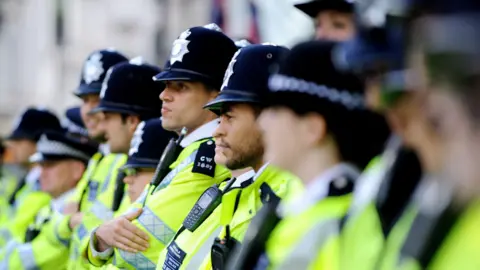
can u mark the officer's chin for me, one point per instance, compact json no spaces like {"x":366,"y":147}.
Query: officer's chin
{"x":220,"y":158}
{"x":170,"y":125}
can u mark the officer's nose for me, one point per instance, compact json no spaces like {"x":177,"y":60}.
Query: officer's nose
{"x":165,"y":95}
{"x":220,"y":130}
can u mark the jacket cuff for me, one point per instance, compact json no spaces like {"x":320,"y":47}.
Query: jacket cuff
{"x":96,"y":257}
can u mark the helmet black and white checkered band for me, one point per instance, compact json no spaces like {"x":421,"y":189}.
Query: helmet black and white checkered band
{"x":282,"y":83}
{"x":50,"y":147}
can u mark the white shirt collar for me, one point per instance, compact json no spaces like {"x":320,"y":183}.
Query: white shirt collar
{"x":260,"y":171}
{"x":243,"y":178}
{"x":33,"y":175}
{"x":319,"y":187}
{"x":59,"y":203}
{"x":104,"y":148}
{"x":204,"y":131}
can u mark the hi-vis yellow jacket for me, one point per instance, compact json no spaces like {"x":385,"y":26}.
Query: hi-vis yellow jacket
{"x":191,"y":250}
{"x":165,"y":209}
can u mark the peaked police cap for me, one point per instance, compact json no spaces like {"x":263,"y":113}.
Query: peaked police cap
{"x":199,"y":54}
{"x":95,"y":68}
{"x":308,"y":81}
{"x":57,"y":145}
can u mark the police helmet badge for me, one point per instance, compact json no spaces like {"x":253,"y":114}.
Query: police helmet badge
{"x":229,"y":71}
{"x":180,"y":47}
{"x":242,"y":43}
{"x":137,"y":139}
{"x":137,"y":61}
{"x":93,"y":68}
{"x":213,"y":26}
{"x":105,"y":83}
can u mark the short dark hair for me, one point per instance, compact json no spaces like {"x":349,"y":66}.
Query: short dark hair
{"x":257,"y":108}
{"x":360,"y":135}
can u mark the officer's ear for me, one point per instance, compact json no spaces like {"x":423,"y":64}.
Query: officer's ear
{"x":211,"y":91}
{"x":78,"y":168}
{"x":314,"y":127}
{"x":132,"y":121}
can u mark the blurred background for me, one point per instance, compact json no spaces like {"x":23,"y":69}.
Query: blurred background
{"x":43,"y":43}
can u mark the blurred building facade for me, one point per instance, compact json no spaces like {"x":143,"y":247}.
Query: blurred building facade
{"x":44,"y":42}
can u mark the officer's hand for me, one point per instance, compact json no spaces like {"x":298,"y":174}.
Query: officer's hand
{"x":75,"y":220}
{"x":70,"y":208}
{"x":122,"y":234}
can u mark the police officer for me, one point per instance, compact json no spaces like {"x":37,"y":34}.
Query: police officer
{"x":27,"y":198}
{"x":333,"y":19}
{"x":444,"y":233}
{"x":198,"y":62}
{"x":386,"y":199}
{"x":128,"y":97}
{"x":63,"y":160}
{"x":239,"y":146}
{"x":306,"y":119}
{"x":92,"y":76}
{"x":101,"y":171}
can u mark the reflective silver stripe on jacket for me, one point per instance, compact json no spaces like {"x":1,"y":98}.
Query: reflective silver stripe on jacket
{"x":5,"y":234}
{"x":110,"y":172}
{"x":81,"y":231}
{"x":137,"y":260}
{"x":101,"y":211}
{"x":9,"y":249}
{"x":180,"y":167}
{"x":199,"y":256}
{"x":306,"y":250}
{"x":156,"y":226}
{"x":26,"y":255}
{"x":64,"y":241}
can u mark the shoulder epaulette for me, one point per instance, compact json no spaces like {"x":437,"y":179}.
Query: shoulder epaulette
{"x":205,"y":159}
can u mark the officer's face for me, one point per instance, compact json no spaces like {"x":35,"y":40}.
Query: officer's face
{"x":91,"y":121}
{"x":407,"y":119}
{"x":372,"y":93}
{"x":58,"y":177}
{"x":118,"y":131}
{"x":137,"y":182}
{"x":21,"y":150}
{"x":183,"y":105}
{"x":238,"y":138}
{"x":459,"y":136}
{"x":284,"y":137}
{"x":334,"y":26}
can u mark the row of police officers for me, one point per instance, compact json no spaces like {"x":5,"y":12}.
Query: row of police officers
{"x":354,"y":151}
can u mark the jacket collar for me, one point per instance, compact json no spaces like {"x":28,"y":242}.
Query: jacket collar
{"x":202,"y":132}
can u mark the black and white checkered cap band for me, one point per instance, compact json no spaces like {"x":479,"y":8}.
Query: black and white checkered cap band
{"x":282,"y":83}
{"x":49,"y":147}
